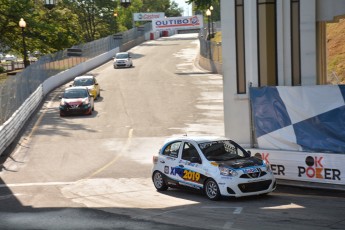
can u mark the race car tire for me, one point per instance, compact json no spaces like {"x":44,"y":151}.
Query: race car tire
{"x":211,"y":189}
{"x":159,"y":181}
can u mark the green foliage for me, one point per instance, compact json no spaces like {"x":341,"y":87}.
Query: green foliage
{"x":69,"y":23}
{"x":2,"y":69}
{"x":202,"y":5}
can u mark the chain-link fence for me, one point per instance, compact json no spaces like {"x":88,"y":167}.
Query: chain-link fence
{"x":17,"y":88}
{"x":209,"y":49}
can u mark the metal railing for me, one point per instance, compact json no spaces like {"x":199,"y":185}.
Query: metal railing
{"x":17,"y":88}
{"x":209,"y":49}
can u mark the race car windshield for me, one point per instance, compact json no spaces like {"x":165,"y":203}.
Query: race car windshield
{"x":75,"y":94}
{"x":83,"y":82}
{"x":221,"y":151}
{"x":121,"y":56}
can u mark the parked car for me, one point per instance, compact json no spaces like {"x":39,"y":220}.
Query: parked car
{"x":76,"y":100}
{"x":10,"y":57}
{"x":90,"y":82}
{"x":217,"y":166}
{"x":122,"y":59}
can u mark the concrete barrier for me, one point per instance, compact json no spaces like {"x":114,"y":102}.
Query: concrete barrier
{"x":11,"y":128}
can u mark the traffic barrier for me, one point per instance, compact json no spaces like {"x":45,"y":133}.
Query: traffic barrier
{"x":10,"y":129}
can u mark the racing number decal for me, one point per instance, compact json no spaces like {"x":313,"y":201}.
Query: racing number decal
{"x":190,"y":175}
{"x":185,"y":174}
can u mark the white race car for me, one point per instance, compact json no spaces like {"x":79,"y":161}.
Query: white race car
{"x":122,"y":59}
{"x":217,"y":166}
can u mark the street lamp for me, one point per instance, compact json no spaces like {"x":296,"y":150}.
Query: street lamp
{"x":208,"y":14}
{"x":22,"y":24}
{"x":50,"y":4}
{"x":211,"y":8}
{"x":125,"y":3}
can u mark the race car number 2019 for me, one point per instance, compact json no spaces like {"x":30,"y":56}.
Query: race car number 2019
{"x":190,"y":175}
{"x":185,"y":174}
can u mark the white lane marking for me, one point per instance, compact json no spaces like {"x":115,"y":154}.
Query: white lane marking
{"x":280,"y":207}
{"x":35,"y":184}
{"x":237,"y":210}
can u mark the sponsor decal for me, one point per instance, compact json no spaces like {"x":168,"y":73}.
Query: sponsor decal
{"x":191,"y":22}
{"x":185,"y":174}
{"x":314,"y":169}
{"x":166,"y":169}
{"x":214,"y":164}
{"x":148,"y":16}
{"x":250,"y":170}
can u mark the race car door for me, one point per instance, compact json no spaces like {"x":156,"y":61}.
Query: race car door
{"x":171,"y":169}
{"x":190,"y":164}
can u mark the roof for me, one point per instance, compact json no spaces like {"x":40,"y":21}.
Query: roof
{"x":76,"y":87}
{"x":198,"y":139}
{"x":83,"y":77}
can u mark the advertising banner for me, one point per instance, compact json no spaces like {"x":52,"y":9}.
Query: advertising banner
{"x":305,"y":166}
{"x":300,"y":118}
{"x":180,"y":23}
{"x":148,"y":16}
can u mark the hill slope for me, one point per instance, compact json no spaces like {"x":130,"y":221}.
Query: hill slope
{"x":336,"y":51}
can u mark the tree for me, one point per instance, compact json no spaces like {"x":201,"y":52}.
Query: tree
{"x":174,"y":10}
{"x":203,"y":5}
{"x":170,"y":8}
{"x":95,"y":16}
{"x":47,"y":30}
{"x":200,"y":4}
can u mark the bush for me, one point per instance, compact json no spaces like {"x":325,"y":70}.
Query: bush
{"x":2,"y":69}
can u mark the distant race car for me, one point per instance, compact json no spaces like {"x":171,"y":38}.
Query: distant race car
{"x":76,"y":100}
{"x":122,"y":59}
{"x":90,"y":82}
{"x":217,"y":166}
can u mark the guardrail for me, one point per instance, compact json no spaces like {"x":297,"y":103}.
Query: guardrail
{"x":12,"y":126}
{"x":10,"y":129}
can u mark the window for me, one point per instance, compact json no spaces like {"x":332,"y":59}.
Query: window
{"x":190,"y":153}
{"x":172,"y":149}
{"x":240,"y":48}
{"x":267,"y":42}
{"x":295,"y":43}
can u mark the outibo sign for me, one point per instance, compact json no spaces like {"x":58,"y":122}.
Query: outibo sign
{"x":148,"y":16}
{"x":180,"y":23}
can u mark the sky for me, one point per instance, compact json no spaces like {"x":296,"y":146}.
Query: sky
{"x":187,"y":9}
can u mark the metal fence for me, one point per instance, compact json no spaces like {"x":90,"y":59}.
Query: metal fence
{"x":209,"y":49}
{"x":17,"y":88}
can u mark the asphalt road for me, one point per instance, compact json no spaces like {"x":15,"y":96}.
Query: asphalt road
{"x":93,"y":172}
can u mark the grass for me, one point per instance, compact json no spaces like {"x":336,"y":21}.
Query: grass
{"x":336,"y":51}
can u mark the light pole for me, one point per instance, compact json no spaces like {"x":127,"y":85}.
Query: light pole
{"x":211,"y":8}
{"x":22,"y":25}
{"x":125,"y":3}
{"x":208,"y":14}
{"x":50,"y":4}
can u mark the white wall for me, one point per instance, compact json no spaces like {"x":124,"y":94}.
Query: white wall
{"x":308,"y":42}
{"x":236,"y":111}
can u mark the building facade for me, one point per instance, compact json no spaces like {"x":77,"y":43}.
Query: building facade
{"x":271,"y":43}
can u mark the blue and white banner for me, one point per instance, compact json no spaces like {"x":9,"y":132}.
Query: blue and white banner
{"x":300,"y":118}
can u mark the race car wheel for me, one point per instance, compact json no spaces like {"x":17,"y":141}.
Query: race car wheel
{"x":211,"y":189}
{"x":159,"y":182}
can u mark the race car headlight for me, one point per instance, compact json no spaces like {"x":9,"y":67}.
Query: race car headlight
{"x":227,"y":171}
{"x":86,"y":103}
{"x":62,"y":103}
